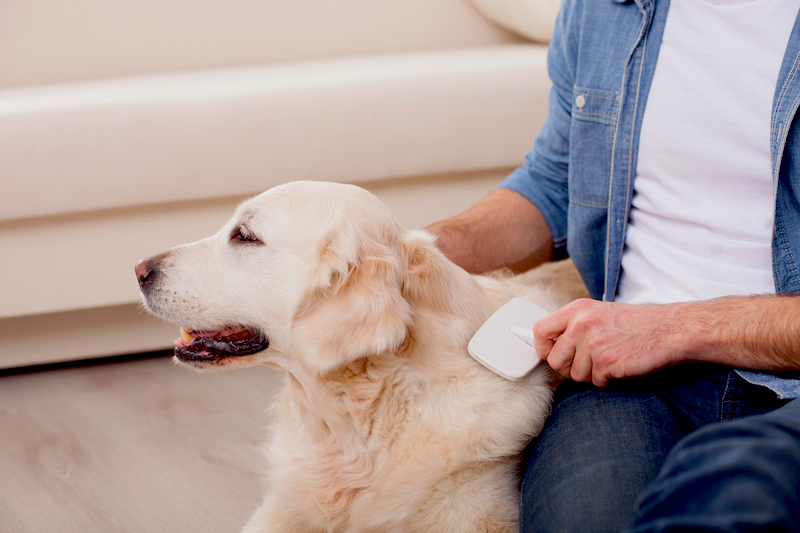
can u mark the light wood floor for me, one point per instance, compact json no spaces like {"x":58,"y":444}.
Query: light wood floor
{"x":136,"y":446}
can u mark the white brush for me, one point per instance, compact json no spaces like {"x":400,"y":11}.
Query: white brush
{"x":504,"y":343}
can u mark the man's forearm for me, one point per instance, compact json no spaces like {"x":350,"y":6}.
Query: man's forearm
{"x":502,"y":230}
{"x":753,"y":332}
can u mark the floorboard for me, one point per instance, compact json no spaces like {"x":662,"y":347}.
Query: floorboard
{"x":135,"y":446}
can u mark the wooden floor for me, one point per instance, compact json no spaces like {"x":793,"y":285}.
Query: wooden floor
{"x":136,"y":446}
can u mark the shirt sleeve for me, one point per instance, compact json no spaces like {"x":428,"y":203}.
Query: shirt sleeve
{"x":543,"y":177}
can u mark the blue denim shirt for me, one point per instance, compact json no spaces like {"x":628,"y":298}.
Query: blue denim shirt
{"x":580,"y":172}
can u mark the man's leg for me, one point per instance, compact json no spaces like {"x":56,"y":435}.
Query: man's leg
{"x":598,"y":451}
{"x":738,"y":476}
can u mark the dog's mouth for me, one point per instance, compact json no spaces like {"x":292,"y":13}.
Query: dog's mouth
{"x":211,"y":345}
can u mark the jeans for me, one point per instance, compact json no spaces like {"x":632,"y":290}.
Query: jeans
{"x":693,"y":447}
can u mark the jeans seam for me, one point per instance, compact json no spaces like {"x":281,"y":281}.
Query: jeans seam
{"x":726,"y":401}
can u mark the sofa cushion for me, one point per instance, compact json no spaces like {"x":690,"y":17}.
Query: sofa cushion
{"x":118,"y":143}
{"x":53,"y":41}
{"x":533,"y":19}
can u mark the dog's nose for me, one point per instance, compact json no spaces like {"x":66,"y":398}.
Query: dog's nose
{"x":144,"y":271}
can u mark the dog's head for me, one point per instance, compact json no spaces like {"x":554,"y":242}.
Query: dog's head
{"x":308,"y":273}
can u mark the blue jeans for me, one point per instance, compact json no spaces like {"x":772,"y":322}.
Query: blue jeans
{"x":693,"y":447}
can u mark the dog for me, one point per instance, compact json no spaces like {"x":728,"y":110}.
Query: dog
{"x":384,"y":423}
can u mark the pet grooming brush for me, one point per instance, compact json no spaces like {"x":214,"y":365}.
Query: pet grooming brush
{"x":504,"y":343}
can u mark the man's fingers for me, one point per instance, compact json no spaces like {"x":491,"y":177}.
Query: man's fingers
{"x":581,"y":369}
{"x":561,"y":356}
{"x":546,"y":330}
{"x":543,"y":347}
{"x":600,"y":380}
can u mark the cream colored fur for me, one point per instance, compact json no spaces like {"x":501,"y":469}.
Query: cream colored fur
{"x":385,"y":423}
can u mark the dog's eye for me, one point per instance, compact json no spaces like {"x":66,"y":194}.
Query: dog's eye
{"x":242,"y":234}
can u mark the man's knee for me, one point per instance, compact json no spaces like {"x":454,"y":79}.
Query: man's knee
{"x":730,"y":476}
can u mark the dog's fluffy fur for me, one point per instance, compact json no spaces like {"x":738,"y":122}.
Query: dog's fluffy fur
{"x":385,"y":423}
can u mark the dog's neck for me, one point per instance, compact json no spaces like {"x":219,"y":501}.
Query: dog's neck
{"x":344,"y":405}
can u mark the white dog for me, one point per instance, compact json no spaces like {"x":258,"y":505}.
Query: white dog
{"x":385,"y":423}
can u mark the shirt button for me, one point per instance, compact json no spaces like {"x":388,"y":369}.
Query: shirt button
{"x":580,"y":101}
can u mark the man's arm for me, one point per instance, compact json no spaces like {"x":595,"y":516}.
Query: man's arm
{"x":503,"y":230}
{"x":600,"y":341}
{"x":506,"y":229}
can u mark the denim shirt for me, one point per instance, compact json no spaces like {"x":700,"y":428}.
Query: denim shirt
{"x":580,"y":172}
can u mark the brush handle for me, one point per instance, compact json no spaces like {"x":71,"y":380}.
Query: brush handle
{"x":525,"y":334}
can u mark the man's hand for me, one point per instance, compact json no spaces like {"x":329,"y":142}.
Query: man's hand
{"x":600,"y":341}
{"x":596,"y":341}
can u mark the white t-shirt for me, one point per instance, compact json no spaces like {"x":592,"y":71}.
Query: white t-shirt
{"x":701,"y":220}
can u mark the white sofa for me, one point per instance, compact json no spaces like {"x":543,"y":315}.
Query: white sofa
{"x":130,"y":127}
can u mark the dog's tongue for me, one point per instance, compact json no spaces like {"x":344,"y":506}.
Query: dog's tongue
{"x":209,"y":344}
{"x":188,"y":336}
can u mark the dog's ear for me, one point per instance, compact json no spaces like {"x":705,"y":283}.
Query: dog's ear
{"x":354,"y":307}
{"x":426,"y":281}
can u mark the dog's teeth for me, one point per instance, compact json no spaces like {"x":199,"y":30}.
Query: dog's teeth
{"x":185,"y":336}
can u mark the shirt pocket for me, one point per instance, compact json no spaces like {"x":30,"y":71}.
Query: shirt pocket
{"x":595,"y":114}
{"x":593,"y":105}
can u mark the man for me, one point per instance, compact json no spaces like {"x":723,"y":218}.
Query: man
{"x":669,"y":169}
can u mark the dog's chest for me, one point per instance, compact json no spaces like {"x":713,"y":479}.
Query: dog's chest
{"x":338,"y":479}
{"x":354,"y":481}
